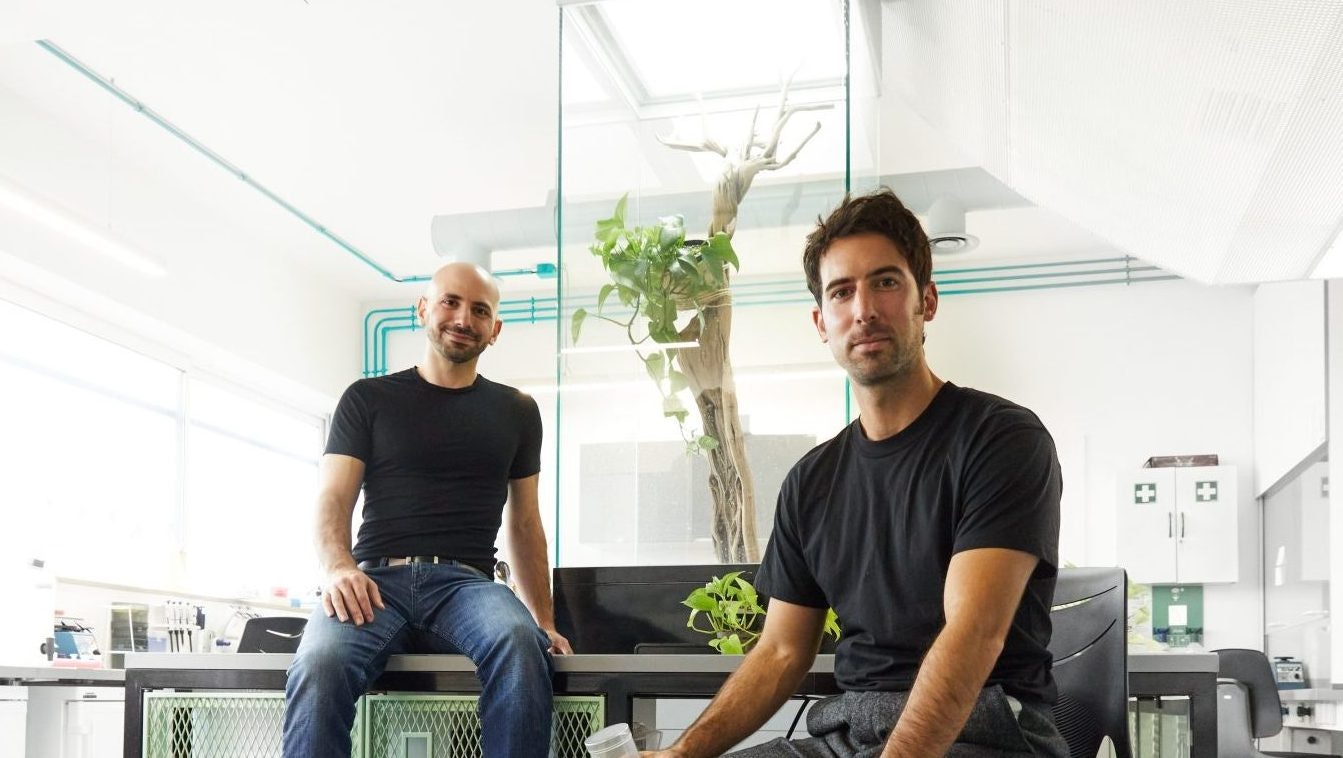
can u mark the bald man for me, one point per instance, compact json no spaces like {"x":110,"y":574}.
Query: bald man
{"x":445,"y":457}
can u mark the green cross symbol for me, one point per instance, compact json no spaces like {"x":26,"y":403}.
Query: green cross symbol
{"x":1205,"y":492}
{"x":1144,"y":493}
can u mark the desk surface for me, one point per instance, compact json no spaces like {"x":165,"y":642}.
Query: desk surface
{"x":1139,"y":662}
{"x":604,"y":664}
{"x":62,"y":675}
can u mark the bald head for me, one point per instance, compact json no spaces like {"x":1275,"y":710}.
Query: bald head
{"x":461,"y":273}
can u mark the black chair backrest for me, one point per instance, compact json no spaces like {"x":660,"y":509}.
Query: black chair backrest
{"x":1252,"y":669}
{"x":1090,"y":649}
{"x":272,"y":634}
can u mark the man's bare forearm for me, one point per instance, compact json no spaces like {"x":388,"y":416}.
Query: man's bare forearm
{"x":950,"y":679}
{"x":531,"y":570}
{"x":333,"y":534}
{"x":755,"y":691}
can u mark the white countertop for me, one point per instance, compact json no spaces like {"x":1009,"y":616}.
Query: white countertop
{"x":60,"y":674}
{"x":1159,"y":661}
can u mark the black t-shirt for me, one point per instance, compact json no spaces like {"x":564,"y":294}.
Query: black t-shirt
{"x":437,"y":462}
{"x":869,"y":529}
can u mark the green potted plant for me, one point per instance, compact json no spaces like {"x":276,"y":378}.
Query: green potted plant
{"x":730,"y":607}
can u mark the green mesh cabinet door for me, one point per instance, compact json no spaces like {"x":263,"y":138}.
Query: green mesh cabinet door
{"x":448,"y":726}
{"x":221,"y":725}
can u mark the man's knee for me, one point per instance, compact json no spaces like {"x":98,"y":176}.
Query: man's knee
{"x":328,"y":668}
{"x":523,"y":640}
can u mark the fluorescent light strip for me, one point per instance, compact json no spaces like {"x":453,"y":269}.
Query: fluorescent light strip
{"x":65,"y":223}
{"x":627,"y":348}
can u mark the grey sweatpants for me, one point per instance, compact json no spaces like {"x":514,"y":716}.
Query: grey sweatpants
{"x":857,"y":724}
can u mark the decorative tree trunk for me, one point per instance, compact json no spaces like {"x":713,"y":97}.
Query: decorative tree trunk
{"x":708,"y":371}
{"x":708,"y":367}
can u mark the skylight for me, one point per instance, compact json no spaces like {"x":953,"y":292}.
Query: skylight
{"x":662,"y":53}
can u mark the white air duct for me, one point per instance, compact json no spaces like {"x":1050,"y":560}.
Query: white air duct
{"x":946,"y":227}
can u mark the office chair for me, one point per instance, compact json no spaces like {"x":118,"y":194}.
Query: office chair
{"x":1090,"y":649}
{"x":1248,"y":705}
{"x":272,"y":634}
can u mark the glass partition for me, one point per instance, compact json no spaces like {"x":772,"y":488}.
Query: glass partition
{"x":1296,"y":572}
{"x":699,"y":142}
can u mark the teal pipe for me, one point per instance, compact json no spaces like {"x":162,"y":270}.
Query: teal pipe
{"x":368,"y":337}
{"x":217,"y":159}
{"x":379,"y":334}
{"x":384,"y":331}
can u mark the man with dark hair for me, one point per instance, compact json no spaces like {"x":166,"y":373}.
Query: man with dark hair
{"x":445,"y":457}
{"x":930,"y":524}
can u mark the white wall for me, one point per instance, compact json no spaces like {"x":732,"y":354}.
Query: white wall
{"x":231,"y":302}
{"x":1118,"y":374}
{"x":1289,"y":377}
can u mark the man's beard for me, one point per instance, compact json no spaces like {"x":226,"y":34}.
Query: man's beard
{"x":874,"y":370}
{"x":455,"y":353}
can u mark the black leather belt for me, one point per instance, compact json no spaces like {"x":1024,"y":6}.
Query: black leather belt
{"x":407,"y":559}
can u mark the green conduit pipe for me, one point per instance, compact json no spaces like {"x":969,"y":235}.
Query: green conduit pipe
{"x":217,"y":159}
{"x":539,"y":309}
{"x":379,"y":348}
{"x":382,"y":348}
{"x":379,"y":366}
{"x":407,"y":311}
{"x":536,"y":310}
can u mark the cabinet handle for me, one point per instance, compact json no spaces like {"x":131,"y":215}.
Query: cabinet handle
{"x":1181,"y":526}
{"x":1170,"y":525}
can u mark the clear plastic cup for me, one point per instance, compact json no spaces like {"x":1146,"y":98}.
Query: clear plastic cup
{"x":645,"y":738}
{"x":614,"y":741}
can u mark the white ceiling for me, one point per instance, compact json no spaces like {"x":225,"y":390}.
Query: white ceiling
{"x":374,"y":118}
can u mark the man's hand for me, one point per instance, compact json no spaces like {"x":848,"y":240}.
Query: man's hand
{"x":350,"y":595}
{"x":558,"y":644}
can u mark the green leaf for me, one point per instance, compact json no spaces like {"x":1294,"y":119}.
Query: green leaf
{"x":671,"y":406}
{"x":707,"y":442}
{"x":699,"y":600}
{"x":602,"y":294}
{"x":619,"y":216}
{"x":747,"y":592}
{"x":654,"y":365}
{"x":663,"y":332}
{"x":721,"y":244}
{"x":832,"y":623}
{"x":731,"y":645}
{"x":676,"y":381}
{"x":579,"y":315}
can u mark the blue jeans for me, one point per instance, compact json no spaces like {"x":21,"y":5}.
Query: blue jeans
{"x":431,"y":608}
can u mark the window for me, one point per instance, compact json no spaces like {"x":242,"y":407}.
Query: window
{"x":114,"y":474}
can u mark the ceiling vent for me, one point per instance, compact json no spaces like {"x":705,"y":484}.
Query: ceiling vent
{"x":946,"y":227}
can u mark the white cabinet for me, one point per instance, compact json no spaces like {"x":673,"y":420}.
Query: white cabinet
{"x":1178,"y":525}
{"x":13,"y":719}
{"x":75,"y":722}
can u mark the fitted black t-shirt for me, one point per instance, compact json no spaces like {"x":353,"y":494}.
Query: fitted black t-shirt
{"x":869,"y":529}
{"x":436,"y":462}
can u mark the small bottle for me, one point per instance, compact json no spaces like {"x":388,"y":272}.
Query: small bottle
{"x":614,"y":741}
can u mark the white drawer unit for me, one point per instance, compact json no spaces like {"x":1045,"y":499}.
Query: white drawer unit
{"x":13,"y":719}
{"x":75,"y":722}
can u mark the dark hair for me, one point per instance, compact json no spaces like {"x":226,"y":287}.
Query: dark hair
{"x":878,"y":212}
